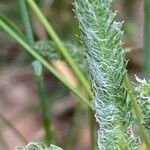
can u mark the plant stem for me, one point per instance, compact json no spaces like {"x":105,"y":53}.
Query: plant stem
{"x":44,"y":101}
{"x":26,"y":21}
{"x":10,"y":125}
{"x":39,"y":77}
{"x":136,"y":110}
{"x":43,"y":61}
{"x":60,"y":45}
{"x":70,"y":61}
{"x":147,"y":39}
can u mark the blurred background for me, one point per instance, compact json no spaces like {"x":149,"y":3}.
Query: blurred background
{"x":20,"y":111}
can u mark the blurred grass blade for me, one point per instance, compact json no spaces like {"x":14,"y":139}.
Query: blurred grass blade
{"x":12,"y":26}
{"x":44,"y":101}
{"x":11,"y":126}
{"x":60,"y":45}
{"x":26,"y":21}
{"x":147,"y":39}
{"x":37,"y":73}
{"x":31,"y":51}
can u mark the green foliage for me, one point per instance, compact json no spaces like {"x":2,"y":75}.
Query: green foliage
{"x":143,"y":95}
{"x":106,"y":62}
{"x":49,"y":50}
{"x":39,"y":146}
{"x":102,"y":48}
{"x":38,"y":71}
{"x":60,"y":46}
{"x":11,"y":25}
{"x":6,"y":27}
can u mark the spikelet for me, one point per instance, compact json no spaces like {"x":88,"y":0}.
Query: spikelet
{"x":142,"y":90}
{"x":102,"y":42}
{"x":39,"y":146}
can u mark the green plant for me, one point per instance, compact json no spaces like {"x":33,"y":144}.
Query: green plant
{"x":48,"y":49}
{"x":27,"y":43}
{"x":119,"y":106}
{"x":113,"y":91}
{"x":10,"y":28}
{"x":39,"y":146}
{"x":49,"y":137}
{"x":142,"y":90}
{"x":60,"y":45}
{"x":11,"y":126}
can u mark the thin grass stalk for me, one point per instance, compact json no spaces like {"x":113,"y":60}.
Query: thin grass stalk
{"x":26,"y":21}
{"x":147,"y":39}
{"x":44,"y":101}
{"x":60,"y":45}
{"x":39,"y":77}
{"x":11,"y":126}
{"x":51,"y":69}
{"x":70,"y":61}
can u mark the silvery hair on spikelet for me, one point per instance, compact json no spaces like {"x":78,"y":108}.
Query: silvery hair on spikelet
{"x":102,"y":42}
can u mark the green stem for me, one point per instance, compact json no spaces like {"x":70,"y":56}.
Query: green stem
{"x":137,"y":111}
{"x":44,"y":101}
{"x":70,"y":61}
{"x":147,"y":39}
{"x":60,"y":45}
{"x":40,"y":81}
{"x":26,"y":21}
{"x":10,"y":125}
{"x":43,"y":61}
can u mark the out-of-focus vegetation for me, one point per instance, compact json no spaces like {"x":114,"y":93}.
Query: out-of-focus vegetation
{"x":146,"y":39}
{"x":66,"y":120}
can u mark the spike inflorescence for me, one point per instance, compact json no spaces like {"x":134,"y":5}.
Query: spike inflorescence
{"x":102,"y":42}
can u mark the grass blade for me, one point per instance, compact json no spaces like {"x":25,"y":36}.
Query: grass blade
{"x":31,"y":51}
{"x":26,"y":21}
{"x":60,"y":45}
{"x":44,"y":101}
{"x":10,"y":125}
{"x":12,"y":26}
{"x":37,"y":73}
